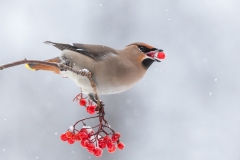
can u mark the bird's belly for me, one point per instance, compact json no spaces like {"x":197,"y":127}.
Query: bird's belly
{"x":81,"y":81}
{"x":103,"y":87}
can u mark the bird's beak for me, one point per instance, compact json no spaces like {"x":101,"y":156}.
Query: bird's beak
{"x":157,"y":55}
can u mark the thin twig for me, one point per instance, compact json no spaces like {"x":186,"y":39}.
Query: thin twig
{"x":84,"y":120}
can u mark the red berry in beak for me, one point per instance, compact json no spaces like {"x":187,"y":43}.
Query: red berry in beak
{"x":161,"y":55}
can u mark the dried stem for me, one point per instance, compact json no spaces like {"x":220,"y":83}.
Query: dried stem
{"x":102,"y":124}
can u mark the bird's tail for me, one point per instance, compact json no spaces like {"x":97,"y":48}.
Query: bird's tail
{"x":36,"y":66}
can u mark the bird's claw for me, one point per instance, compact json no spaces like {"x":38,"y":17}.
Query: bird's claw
{"x":98,"y":108}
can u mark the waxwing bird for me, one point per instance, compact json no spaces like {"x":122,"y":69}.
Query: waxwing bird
{"x":113,"y":70}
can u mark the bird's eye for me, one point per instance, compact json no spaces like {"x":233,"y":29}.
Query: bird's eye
{"x":143,"y":49}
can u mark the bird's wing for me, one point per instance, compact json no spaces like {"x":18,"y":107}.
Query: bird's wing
{"x":96,"y":52}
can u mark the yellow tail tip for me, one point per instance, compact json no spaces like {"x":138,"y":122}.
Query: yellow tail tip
{"x":28,"y":67}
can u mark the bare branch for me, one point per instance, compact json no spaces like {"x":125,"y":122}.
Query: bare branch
{"x":61,"y":67}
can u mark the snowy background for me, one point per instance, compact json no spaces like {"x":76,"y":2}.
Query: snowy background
{"x":185,"y":108}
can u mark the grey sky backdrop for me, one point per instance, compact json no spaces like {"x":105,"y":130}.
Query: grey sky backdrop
{"x":185,"y":108}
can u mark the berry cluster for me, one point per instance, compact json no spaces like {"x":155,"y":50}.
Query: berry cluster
{"x":94,"y":142}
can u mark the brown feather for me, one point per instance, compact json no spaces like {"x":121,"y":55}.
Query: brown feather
{"x":45,"y":67}
{"x":142,"y":44}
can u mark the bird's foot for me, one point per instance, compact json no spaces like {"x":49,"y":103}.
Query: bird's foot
{"x":92,"y":97}
{"x":99,"y":107}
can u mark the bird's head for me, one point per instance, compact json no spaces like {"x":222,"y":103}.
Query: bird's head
{"x":151,"y":54}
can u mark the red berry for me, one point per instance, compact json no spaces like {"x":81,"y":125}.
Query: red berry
{"x":69,"y":134}
{"x":83,"y":135}
{"x":107,"y":139}
{"x":84,"y":142}
{"x":82,"y":102}
{"x":84,"y":130}
{"x":73,"y":138}
{"x":110,"y":145}
{"x":115,"y":137}
{"x":112,"y":149}
{"x":63,"y":137}
{"x":76,"y":137}
{"x":116,"y":134}
{"x":90,"y":147}
{"x":97,"y":152}
{"x":102,"y":144}
{"x":91,"y":109}
{"x":161,"y":55}
{"x":120,"y":145}
{"x":70,"y":141}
